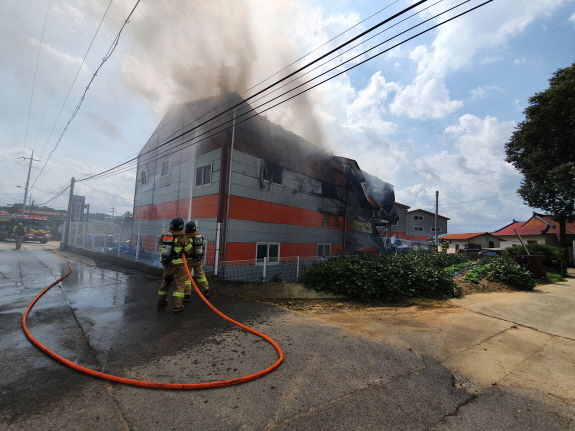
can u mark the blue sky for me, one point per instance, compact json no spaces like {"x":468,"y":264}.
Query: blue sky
{"x":431,"y":114}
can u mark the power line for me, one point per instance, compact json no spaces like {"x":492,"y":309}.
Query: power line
{"x":106,"y":193}
{"x":280,"y":80}
{"x":113,"y":171}
{"x":106,"y":57}
{"x":35,"y":73}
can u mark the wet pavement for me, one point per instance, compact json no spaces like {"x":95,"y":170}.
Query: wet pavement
{"x":331,"y":378}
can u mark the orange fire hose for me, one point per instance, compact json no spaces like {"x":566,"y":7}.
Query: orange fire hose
{"x":142,"y":383}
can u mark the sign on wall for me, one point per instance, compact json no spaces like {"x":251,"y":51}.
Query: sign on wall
{"x":78,"y":208}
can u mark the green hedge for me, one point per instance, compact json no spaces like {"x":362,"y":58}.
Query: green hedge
{"x":502,"y":269}
{"x":391,"y":276}
{"x":554,"y":256}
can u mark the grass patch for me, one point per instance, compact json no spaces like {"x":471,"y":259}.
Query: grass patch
{"x":554,"y":278}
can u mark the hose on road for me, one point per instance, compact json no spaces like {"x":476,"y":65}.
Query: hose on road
{"x":145,"y":384}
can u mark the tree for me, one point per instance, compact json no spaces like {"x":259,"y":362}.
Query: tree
{"x":542,"y":148}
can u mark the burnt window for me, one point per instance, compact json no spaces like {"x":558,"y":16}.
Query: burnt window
{"x":328,"y":190}
{"x":273,"y":172}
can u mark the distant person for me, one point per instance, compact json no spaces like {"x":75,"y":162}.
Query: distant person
{"x":19,"y":233}
{"x":174,"y":242}
{"x":196,"y":262}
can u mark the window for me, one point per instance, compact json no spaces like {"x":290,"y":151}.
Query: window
{"x":324,"y":250}
{"x":273,"y":172}
{"x":531,"y":241}
{"x":418,"y":228}
{"x":144,"y":177}
{"x":417,"y":217}
{"x":204,"y":175}
{"x":166,"y":168}
{"x":270,"y":250}
{"x":433,"y":229}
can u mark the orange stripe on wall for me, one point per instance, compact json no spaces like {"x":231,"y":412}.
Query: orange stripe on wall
{"x":255,"y":210}
{"x":202,"y":207}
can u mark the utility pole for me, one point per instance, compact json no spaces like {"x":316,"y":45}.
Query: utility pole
{"x":113,"y":208}
{"x":64,"y":244}
{"x":31,"y":158}
{"x":436,"y":214}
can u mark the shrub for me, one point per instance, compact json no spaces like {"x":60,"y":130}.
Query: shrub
{"x":553,"y":255}
{"x":502,"y":269}
{"x":418,"y":274}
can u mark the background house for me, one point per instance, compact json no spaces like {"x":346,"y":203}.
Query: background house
{"x":540,"y":228}
{"x":420,"y":225}
{"x":399,"y":228}
{"x":484,"y":239}
{"x":275,"y":194}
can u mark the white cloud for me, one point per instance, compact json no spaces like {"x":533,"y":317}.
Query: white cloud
{"x":483,"y":91}
{"x":365,"y":112}
{"x":572,"y":18}
{"x":456,"y":47}
{"x":521,"y":60}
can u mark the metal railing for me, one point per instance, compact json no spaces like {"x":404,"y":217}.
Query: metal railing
{"x":139,"y":241}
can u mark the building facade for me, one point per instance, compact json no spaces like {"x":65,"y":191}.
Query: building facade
{"x":275,"y":194}
{"x":420,"y":225}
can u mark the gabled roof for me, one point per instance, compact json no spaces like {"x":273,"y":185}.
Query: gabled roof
{"x":428,"y":212}
{"x":402,"y":205}
{"x":553,"y":225}
{"x":538,"y":224}
{"x":468,"y":236}
{"x":523,"y":230}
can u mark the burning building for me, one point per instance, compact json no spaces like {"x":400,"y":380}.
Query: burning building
{"x":274,"y":193}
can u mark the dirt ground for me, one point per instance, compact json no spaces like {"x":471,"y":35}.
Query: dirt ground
{"x":331,"y":306}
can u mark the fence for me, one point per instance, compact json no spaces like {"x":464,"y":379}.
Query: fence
{"x":139,"y":241}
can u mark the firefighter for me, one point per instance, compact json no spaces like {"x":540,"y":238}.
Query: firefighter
{"x":195,"y":261}
{"x":19,"y":233}
{"x":174,"y":242}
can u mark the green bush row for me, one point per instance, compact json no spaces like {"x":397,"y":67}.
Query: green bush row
{"x":391,"y":276}
{"x":502,"y":269}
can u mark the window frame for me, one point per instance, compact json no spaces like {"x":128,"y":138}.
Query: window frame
{"x":268,"y":244}
{"x":323,"y":245}
{"x":144,"y":177}
{"x":418,"y":228}
{"x":203,"y":175}
{"x":166,"y":168}
{"x":418,"y":217}
{"x":277,"y":169}
{"x":438,"y":229}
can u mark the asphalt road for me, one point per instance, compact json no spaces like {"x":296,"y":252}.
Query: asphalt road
{"x":332,"y":378}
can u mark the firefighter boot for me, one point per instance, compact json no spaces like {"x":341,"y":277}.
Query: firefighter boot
{"x":162,"y":300}
{"x":177,"y":301}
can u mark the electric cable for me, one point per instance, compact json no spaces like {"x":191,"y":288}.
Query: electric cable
{"x":141,"y":383}
{"x":103,"y":173}
{"x":54,"y":86}
{"x":107,"y":193}
{"x":293,"y":73}
{"x":108,"y":54}
{"x":35,"y":73}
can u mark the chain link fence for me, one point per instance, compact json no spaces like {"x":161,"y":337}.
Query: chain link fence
{"x":139,"y":241}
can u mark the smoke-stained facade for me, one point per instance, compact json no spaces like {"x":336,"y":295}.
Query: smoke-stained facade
{"x":275,"y":194}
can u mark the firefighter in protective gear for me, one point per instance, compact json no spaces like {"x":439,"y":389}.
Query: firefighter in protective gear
{"x":174,"y":265}
{"x":195,"y":261}
{"x":19,"y":233}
